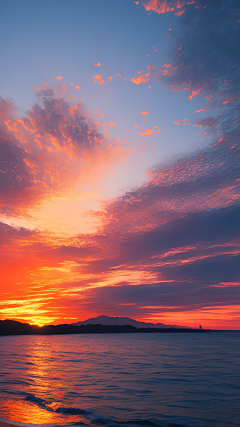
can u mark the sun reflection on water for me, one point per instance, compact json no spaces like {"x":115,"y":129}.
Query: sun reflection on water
{"x":21,"y":411}
{"x":44,"y":392}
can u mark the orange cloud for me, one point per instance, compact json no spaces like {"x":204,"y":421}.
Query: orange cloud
{"x":99,"y":78}
{"x":143,"y":78}
{"x":225,"y":284}
{"x":161,"y":6}
{"x":98,"y":64}
{"x":221,"y":139}
{"x":63,"y":88}
{"x":194,"y":93}
{"x":149,"y":131}
{"x":96,"y":123}
{"x":144,"y":113}
{"x":180,"y":4}
{"x":154,"y":5}
{"x":227,"y":101}
{"x":180,"y":13}
{"x":58,"y":77}
{"x":198,"y":111}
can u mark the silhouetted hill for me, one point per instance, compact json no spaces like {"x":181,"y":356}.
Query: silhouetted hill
{"x":107,"y":320}
{"x":12,"y":327}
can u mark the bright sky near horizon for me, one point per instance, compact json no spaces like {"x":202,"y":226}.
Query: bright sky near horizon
{"x":119,"y":128}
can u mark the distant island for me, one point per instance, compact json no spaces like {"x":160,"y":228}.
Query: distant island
{"x":12,"y":327}
{"x":107,"y":320}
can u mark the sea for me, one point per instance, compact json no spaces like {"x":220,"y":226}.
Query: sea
{"x":100,"y":380}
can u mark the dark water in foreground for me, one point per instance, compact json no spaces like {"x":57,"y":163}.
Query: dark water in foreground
{"x":185,"y":379}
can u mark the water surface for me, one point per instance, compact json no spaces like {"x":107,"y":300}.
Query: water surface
{"x":102,"y":379}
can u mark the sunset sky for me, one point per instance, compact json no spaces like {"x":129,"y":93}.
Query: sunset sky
{"x":120,"y":161}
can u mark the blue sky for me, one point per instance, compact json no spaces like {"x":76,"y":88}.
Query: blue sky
{"x":61,"y":38}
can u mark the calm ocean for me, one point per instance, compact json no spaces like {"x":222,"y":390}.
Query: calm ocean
{"x":148,"y":379}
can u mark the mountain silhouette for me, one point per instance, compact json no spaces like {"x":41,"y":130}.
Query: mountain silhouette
{"x":13,"y":327}
{"x":123,"y":321}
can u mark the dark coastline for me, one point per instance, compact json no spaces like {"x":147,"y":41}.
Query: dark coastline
{"x":12,"y":327}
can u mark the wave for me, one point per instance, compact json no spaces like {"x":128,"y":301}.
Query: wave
{"x":92,"y":420}
{"x":71,"y":411}
{"x":102,"y":421}
{"x":30,"y":397}
{"x":4,"y":422}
